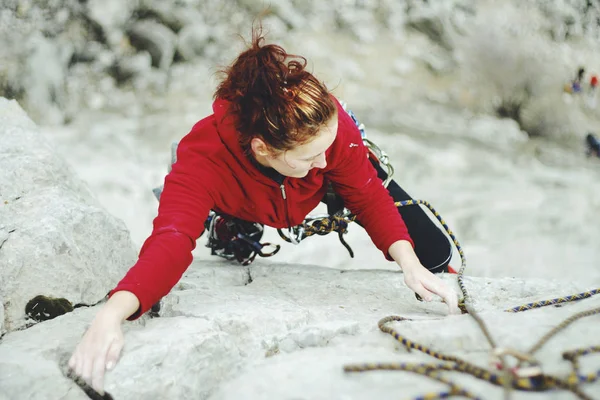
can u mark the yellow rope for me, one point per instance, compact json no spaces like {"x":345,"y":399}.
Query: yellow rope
{"x":536,"y":381}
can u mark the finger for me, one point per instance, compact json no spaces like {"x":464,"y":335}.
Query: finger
{"x":79,"y":364}
{"x":452,"y":302}
{"x":439,"y":287}
{"x":454,"y":310}
{"x":73,"y":361}
{"x":448,"y":295}
{"x":435,"y":285}
{"x":98,"y":374}
{"x":112,"y":357}
{"x":419,"y":289}
{"x":86,"y":372}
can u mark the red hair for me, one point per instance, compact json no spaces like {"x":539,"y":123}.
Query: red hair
{"x":273,"y":97}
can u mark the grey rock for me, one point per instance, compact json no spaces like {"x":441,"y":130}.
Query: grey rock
{"x":433,"y":27}
{"x":175,"y":17}
{"x":56,"y":240}
{"x":439,"y":21}
{"x":128,"y":67}
{"x":571,"y":19}
{"x":112,"y":17}
{"x":33,"y":68}
{"x":289,"y":333}
{"x":360,"y":22}
{"x":438,"y":62}
{"x":192,"y":41}
{"x":45,"y":87}
{"x":155,"y":38}
{"x":2,"y":331}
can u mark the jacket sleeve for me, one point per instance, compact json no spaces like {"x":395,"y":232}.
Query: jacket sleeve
{"x":184,"y":206}
{"x":355,"y":179}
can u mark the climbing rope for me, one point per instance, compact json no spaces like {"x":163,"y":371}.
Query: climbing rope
{"x":558,"y":300}
{"x":526,"y":376}
{"x":525,"y":379}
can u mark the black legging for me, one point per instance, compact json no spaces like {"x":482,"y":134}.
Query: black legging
{"x":432,"y":246}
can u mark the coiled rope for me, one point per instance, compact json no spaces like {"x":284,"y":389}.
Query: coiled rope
{"x":527,"y":376}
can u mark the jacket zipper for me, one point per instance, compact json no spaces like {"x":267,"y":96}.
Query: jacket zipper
{"x":285,"y":205}
{"x":294,"y":236}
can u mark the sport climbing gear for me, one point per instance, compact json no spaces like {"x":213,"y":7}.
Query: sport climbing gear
{"x":236,"y":239}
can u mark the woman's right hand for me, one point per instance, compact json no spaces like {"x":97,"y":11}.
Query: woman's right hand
{"x":100,"y":347}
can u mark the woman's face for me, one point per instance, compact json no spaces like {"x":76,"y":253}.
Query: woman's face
{"x":297,"y":162}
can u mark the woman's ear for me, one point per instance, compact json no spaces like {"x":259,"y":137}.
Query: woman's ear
{"x":259,"y":147}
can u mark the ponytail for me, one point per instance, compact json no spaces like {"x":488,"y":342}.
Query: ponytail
{"x":273,"y":97}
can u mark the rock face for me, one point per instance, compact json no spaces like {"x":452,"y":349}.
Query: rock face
{"x":55,"y":239}
{"x":285,"y":331}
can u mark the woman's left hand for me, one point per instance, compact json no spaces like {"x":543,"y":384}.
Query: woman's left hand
{"x":419,"y":279}
{"x":426,"y":284}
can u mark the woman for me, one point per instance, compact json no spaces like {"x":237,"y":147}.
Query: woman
{"x":275,"y":142}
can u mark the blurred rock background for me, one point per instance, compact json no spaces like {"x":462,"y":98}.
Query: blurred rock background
{"x":466,"y":96}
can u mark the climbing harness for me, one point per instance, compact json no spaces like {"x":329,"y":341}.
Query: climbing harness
{"x":527,"y":375}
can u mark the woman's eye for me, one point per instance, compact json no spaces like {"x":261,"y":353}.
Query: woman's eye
{"x":312,"y":158}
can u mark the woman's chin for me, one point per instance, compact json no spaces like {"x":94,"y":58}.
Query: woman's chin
{"x":297,"y":174}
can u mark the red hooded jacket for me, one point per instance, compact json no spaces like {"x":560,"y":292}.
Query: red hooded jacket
{"x":212,"y":172}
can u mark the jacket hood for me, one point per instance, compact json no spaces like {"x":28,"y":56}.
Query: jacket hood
{"x":230,"y":138}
